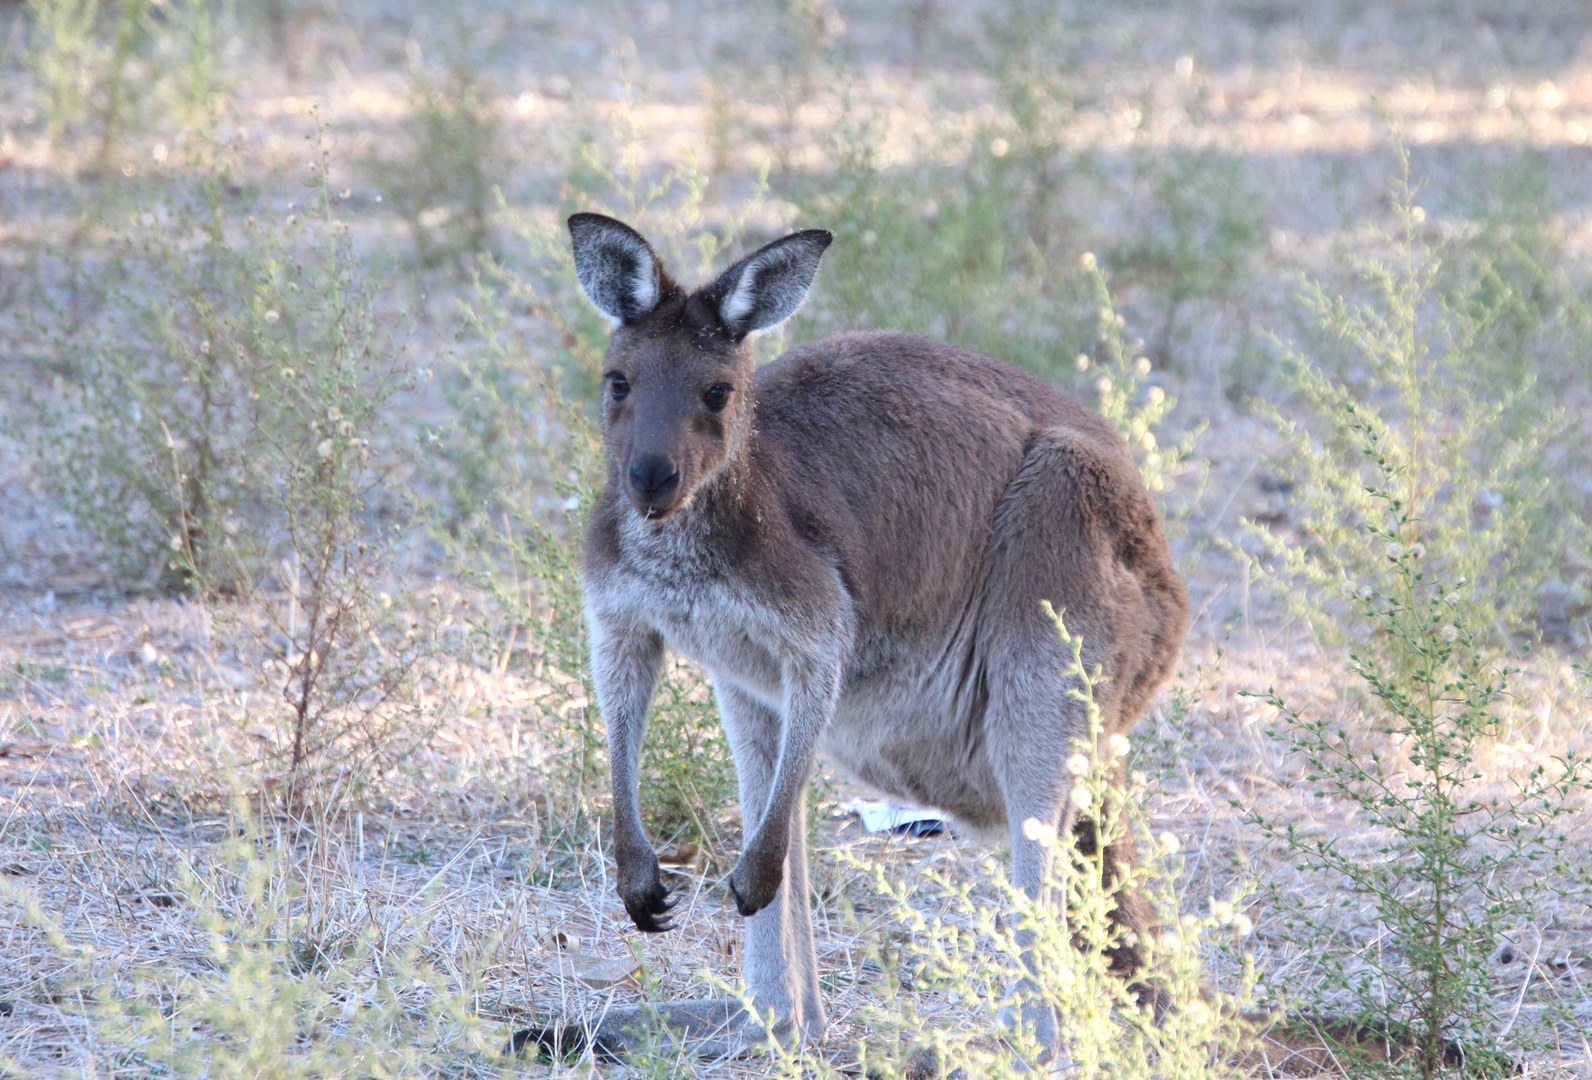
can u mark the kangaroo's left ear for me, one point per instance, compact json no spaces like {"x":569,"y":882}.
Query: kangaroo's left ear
{"x":765,"y":288}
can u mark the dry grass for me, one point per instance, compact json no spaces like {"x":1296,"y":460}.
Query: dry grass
{"x":130,"y":726}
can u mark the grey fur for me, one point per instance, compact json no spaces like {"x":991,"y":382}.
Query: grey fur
{"x":856,"y":545}
{"x":617,"y":268}
{"x":768,"y":286}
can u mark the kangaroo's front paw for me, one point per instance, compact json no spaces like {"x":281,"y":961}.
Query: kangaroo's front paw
{"x":755,"y":880}
{"x":645,"y":896}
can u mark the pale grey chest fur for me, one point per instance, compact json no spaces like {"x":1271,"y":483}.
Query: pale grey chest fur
{"x":716,"y":620}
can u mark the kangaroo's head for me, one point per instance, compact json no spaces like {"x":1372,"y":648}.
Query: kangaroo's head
{"x":677,"y":399}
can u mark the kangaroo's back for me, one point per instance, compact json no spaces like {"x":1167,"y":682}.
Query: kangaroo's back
{"x":897,"y":453}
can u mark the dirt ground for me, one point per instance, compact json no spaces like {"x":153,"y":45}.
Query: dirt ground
{"x":119,"y":712}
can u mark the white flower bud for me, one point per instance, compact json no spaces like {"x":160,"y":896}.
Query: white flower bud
{"x":1039,"y":832}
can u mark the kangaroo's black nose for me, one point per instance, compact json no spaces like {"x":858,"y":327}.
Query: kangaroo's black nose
{"x":654,"y":477}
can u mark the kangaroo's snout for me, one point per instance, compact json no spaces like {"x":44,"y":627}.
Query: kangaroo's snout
{"x":654,"y":482}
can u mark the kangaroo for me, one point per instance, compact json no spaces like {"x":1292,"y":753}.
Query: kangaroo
{"x":855,"y":542}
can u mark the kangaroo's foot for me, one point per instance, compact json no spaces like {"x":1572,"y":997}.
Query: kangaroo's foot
{"x":707,"y":1028}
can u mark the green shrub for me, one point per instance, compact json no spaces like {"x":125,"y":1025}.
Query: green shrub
{"x":986,"y":947}
{"x":1462,"y":427}
{"x":1453,"y":866}
{"x":281,"y":980}
{"x":118,"y":66}
{"x":234,"y":356}
{"x":442,"y":173}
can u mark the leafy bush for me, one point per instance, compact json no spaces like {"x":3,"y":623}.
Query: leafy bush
{"x":1460,"y":424}
{"x":1456,"y":864}
{"x":235,"y":361}
{"x":988,"y":947}
{"x":1426,"y":524}
{"x":116,"y":67}
{"x":442,"y":174}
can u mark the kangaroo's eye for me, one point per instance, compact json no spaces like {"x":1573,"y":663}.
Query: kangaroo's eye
{"x":717,"y":396}
{"x":618,"y":385}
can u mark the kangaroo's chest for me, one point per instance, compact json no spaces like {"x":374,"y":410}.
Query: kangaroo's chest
{"x":714,"y":622}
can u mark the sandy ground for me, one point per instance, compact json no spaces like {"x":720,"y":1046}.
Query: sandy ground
{"x":122,"y":717}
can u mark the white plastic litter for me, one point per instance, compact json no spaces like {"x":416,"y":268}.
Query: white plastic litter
{"x":878,"y":817}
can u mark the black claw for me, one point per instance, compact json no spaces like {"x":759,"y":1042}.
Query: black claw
{"x":648,"y":914}
{"x":561,"y":1042}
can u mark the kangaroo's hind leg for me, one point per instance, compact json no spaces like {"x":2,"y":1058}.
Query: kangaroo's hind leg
{"x":1057,"y":537}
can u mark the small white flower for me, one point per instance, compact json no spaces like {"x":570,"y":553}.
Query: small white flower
{"x":1147,"y":440}
{"x":1142,"y":365}
{"x":1417,"y":214}
{"x":334,"y":413}
{"x":1119,"y":745}
{"x":1450,"y":633}
{"x":1082,"y":362}
{"x":204,"y":347}
{"x":1103,"y":384}
{"x":1156,"y":395}
{"x":1169,"y":842}
{"x":1039,"y":832}
{"x":1242,"y":926}
{"x":1078,"y":764}
{"x":1082,"y":797}
{"x":325,"y":449}
{"x":1087,"y":260}
{"x":1395,"y":551}
{"x":1222,"y":912}
{"x":1451,"y":599}
{"x":998,"y":147}
{"x":288,"y":373}
{"x":572,"y":503}
{"x":272,"y":316}
{"x":1417,"y":551}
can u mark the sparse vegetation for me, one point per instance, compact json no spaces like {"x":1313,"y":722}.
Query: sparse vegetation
{"x":298,"y":753}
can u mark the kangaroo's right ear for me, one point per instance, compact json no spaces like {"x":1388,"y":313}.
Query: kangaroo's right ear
{"x":616,"y":267}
